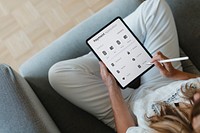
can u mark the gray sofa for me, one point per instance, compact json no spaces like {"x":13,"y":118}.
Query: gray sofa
{"x":29,"y":104}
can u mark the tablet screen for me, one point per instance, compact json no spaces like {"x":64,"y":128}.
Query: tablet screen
{"x":122,"y":53}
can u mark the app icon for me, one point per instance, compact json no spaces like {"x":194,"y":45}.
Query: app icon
{"x":111,"y":47}
{"x":104,"y":52}
{"x":125,"y":36}
{"x":118,"y":71}
{"x":118,"y":42}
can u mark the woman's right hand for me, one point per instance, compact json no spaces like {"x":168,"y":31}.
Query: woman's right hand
{"x":167,"y":70}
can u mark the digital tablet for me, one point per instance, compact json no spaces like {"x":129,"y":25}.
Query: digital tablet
{"x":121,"y":51}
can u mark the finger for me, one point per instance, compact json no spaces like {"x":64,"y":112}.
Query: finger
{"x":168,"y":66}
{"x":103,"y":70}
{"x":160,"y":67}
{"x":101,"y":65}
{"x":156,"y":57}
{"x":159,"y":56}
{"x":196,"y":97}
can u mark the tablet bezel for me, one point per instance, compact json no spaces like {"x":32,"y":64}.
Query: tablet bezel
{"x":135,"y":38}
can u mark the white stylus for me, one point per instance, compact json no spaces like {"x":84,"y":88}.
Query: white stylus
{"x":171,"y":60}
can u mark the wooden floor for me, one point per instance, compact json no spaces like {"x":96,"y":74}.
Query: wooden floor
{"x":27,"y":26}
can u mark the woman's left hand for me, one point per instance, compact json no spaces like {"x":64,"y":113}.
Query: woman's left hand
{"x":107,"y":77}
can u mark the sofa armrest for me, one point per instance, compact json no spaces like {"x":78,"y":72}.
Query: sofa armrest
{"x":20,"y":109}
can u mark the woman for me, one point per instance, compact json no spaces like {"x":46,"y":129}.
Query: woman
{"x":170,"y":119}
{"x":80,"y":80}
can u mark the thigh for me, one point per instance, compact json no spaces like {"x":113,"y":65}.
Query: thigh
{"x":154,"y":25}
{"x":79,"y":81}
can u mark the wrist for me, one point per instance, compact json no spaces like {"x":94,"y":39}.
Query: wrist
{"x":180,"y":75}
{"x":114,"y":92}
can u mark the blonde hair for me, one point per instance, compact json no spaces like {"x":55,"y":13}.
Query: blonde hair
{"x":172,"y":119}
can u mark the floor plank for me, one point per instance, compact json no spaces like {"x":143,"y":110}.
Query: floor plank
{"x":27,"y":26}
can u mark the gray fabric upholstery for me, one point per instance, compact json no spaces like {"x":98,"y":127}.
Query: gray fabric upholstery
{"x":20,"y":109}
{"x":188,"y":66}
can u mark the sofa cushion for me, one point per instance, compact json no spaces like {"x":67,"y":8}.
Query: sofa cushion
{"x":188,"y":66}
{"x":20,"y":109}
{"x":186,"y":14}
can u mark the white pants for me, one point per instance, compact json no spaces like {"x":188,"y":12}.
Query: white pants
{"x":79,"y":80}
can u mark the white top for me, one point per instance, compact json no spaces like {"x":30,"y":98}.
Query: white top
{"x":146,"y":103}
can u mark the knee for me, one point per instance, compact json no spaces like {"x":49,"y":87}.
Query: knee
{"x":58,"y":73}
{"x":53,"y":75}
{"x":64,"y":74}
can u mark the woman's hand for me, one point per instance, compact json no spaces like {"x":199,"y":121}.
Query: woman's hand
{"x":123,"y":118}
{"x":107,"y":78}
{"x":167,"y":70}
